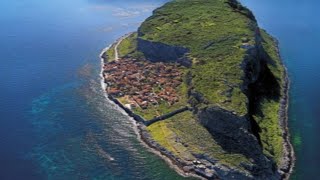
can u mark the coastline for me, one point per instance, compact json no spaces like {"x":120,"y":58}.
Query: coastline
{"x":140,"y":129}
{"x":288,"y":159}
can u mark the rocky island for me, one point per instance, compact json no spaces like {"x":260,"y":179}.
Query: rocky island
{"x":207,"y":88}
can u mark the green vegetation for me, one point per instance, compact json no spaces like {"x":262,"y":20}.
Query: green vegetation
{"x":127,"y":48}
{"x":269,"y":104}
{"x":128,"y":45}
{"x":111,"y":53}
{"x":271,"y":48}
{"x":166,"y":138}
{"x":196,"y":138}
{"x":271,"y":134}
{"x":213,"y":32}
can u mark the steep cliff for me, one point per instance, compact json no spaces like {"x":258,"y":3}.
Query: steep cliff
{"x":233,"y":80}
{"x":157,"y":51}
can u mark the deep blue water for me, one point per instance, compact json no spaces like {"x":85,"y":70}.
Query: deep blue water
{"x":296,"y":25}
{"x":55,"y":122}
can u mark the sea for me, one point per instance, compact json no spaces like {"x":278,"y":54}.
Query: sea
{"x":296,"y":25}
{"x":55,"y":122}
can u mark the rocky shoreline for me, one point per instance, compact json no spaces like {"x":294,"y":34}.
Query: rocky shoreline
{"x":185,"y":168}
{"x":176,"y":163}
{"x":143,"y":134}
{"x":288,"y":159}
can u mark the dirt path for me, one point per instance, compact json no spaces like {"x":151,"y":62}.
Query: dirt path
{"x":116,"y":52}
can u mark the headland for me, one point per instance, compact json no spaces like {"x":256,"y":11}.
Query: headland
{"x":207,"y":88}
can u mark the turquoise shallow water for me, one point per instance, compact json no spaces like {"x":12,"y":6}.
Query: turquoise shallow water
{"x":55,"y":121}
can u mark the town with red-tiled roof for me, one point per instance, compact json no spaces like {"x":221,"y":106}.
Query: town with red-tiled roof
{"x":142,"y":83}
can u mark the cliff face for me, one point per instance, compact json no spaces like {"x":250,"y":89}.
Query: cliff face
{"x":233,"y":82}
{"x":234,"y":135}
{"x":157,"y":51}
{"x":240,"y":134}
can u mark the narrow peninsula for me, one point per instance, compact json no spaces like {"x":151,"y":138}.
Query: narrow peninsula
{"x":207,"y":88}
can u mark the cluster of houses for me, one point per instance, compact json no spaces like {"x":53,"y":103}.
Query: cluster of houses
{"x":142,"y":83}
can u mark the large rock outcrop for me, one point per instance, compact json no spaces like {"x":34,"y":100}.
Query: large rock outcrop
{"x":240,"y":134}
{"x":230,"y":82}
{"x":234,"y":135}
{"x":160,"y":52}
